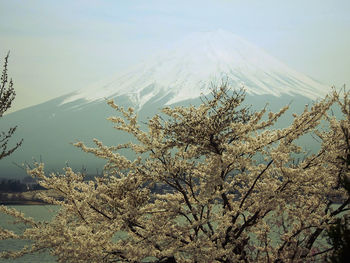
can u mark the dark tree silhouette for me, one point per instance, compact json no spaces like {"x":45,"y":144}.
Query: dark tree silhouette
{"x":339,"y":233}
{"x":7,"y":95}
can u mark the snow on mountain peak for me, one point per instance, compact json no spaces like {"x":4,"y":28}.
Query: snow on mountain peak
{"x":192,"y":65}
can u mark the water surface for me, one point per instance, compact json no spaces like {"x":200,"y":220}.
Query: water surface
{"x":39,"y":213}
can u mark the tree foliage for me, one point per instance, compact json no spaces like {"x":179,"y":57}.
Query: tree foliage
{"x":338,"y":233}
{"x":7,"y":95}
{"x":12,"y":185}
{"x":232,"y":189}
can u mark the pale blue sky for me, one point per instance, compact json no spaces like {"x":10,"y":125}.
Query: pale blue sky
{"x":60,"y":46}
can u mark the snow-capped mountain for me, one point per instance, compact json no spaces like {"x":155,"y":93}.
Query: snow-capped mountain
{"x":189,"y":68}
{"x":178,"y":75}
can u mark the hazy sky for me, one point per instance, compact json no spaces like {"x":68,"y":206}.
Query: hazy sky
{"x":60,"y":46}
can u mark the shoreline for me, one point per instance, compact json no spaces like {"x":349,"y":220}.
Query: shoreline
{"x":22,"y":202}
{"x":26,"y":198}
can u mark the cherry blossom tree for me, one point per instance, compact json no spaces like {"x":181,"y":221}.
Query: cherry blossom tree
{"x":7,"y":95}
{"x":338,"y":233}
{"x":213,"y":183}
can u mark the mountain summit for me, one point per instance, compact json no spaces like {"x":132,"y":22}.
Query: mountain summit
{"x":192,"y":65}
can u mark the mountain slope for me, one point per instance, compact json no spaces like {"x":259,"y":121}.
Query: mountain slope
{"x":178,"y":75}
